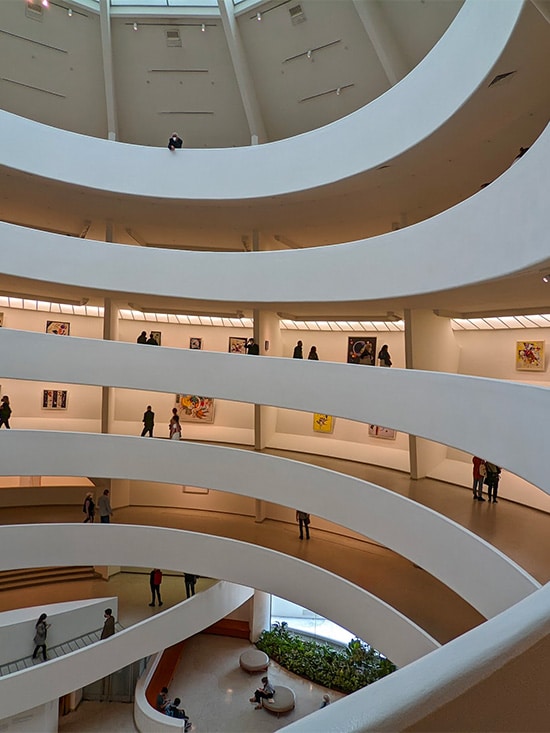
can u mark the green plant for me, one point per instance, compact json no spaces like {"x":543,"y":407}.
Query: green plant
{"x":346,"y":669}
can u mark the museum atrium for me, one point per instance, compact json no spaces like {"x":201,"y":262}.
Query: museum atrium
{"x":354,"y":174}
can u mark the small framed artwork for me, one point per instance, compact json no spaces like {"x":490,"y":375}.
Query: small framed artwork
{"x":377,"y":431}
{"x":194,"y":408}
{"x":194,"y":490}
{"x":54,"y":399}
{"x":362,"y":350}
{"x":1,"y":320}
{"x":195,"y":343}
{"x":530,"y":356}
{"x":323,"y":423}
{"x":61,"y":328}
{"x":237,"y":345}
{"x":157,"y":335}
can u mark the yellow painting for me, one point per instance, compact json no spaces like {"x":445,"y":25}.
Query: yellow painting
{"x":323,"y":423}
{"x":530,"y":356}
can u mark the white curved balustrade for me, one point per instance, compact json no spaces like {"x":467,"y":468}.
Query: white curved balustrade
{"x":146,"y":718}
{"x":455,"y":675}
{"x":432,"y":541}
{"x":447,"y":77}
{"x":238,"y":562}
{"x":396,"y":398}
{"x":476,"y":240}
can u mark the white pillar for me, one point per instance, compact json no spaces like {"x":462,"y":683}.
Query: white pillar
{"x":430,"y":345}
{"x":260,"y":611}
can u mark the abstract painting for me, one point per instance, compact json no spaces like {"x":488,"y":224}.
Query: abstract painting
{"x":530,"y":356}
{"x":195,"y":343}
{"x":376,"y":431}
{"x":61,"y":328}
{"x":323,"y":423}
{"x":54,"y":399}
{"x":362,"y":350}
{"x":194,"y":408}
{"x":237,"y":345}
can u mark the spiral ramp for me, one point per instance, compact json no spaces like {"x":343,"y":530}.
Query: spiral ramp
{"x":497,"y":217}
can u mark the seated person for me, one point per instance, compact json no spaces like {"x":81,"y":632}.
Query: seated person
{"x":174,"y":711}
{"x":162,"y":700}
{"x":265,"y":693}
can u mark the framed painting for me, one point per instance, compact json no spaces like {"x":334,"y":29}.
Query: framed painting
{"x":1,"y":320}
{"x":61,"y":328}
{"x":195,"y":343}
{"x":157,"y":335}
{"x":323,"y":423}
{"x":377,"y":431}
{"x":54,"y":399}
{"x":362,"y":350}
{"x":530,"y":356}
{"x":194,"y":408}
{"x":237,"y":345}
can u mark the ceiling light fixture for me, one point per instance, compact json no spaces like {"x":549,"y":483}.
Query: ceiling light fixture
{"x":258,"y":16}
{"x":135,"y":26}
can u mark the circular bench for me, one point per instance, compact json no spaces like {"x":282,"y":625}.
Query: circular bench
{"x":283,"y":700}
{"x":254,"y":660}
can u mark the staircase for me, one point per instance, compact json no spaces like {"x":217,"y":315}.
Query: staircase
{"x":55,"y":651}
{"x":28,"y":577}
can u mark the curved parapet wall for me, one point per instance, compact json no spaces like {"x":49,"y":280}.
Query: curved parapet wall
{"x":238,"y":562}
{"x":447,"y":77}
{"x":447,"y":551}
{"x":476,"y":240}
{"x":396,"y":398}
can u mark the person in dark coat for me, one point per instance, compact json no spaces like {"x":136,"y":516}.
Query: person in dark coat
{"x":190,"y":582}
{"x":252,"y":347}
{"x":89,"y":508}
{"x":155,"y":579}
{"x":152,"y":340}
{"x":109,"y":624}
{"x":384,"y":358}
{"x":298,"y":351}
{"x":313,"y":355}
{"x":492,"y":480}
{"x":41,"y":632}
{"x":148,"y":422}
{"x":5,"y":412}
{"x":303,"y":521}
{"x":142,"y":338}
{"x":175,"y":142}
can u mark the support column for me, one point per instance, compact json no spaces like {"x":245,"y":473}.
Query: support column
{"x":260,"y":614}
{"x":385,"y":45}
{"x":108,"y":77}
{"x":430,"y":344}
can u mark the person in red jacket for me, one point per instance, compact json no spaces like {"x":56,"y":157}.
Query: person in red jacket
{"x":155,"y":579}
{"x":480,"y":472}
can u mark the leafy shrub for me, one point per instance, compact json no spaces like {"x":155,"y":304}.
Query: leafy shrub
{"x":346,"y":669}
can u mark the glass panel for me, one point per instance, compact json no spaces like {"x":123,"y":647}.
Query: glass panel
{"x":303,"y":621}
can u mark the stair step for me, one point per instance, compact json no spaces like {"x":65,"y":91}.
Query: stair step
{"x":13,"y":580}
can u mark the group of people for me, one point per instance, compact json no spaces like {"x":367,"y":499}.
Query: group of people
{"x":298,"y":352}
{"x":41,"y":632}
{"x":174,"y":426}
{"x":103,"y":505}
{"x":172,"y":707}
{"x":486,"y":473}
{"x":143,"y":339}
{"x":155,"y":580}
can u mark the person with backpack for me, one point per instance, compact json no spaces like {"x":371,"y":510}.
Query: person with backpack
{"x":89,"y":508}
{"x":491,"y":480}
{"x":155,"y":579}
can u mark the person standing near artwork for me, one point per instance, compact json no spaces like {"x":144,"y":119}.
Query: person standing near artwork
{"x":152,"y":340}
{"x":148,"y":422}
{"x":384,"y":359}
{"x":252,"y":348}
{"x":479,"y":472}
{"x":155,"y":579}
{"x":5,"y":412}
{"x":313,"y":355}
{"x":303,"y":521}
{"x":104,"y":506}
{"x":174,"y":426}
{"x":142,"y":338}
{"x":492,"y":480}
{"x":298,"y":351}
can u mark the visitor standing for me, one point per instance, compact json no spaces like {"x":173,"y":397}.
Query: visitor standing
{"x":89,"y":508}
{"x":108,"y":624}
{"x":174,"y":426}
{"x":479,"y":473}
{"x":5,"y":412}
{"x":313,"y":355}
{"x":148,"y":422}
{"x":175,"y":142}
{"x":104,"y":506}
{"x":142,"y":338}
{"x":190,"y":582}
{"x":303,"y":521}
{"x":384,"y":359}
{"x":298,"y":352}
{"x":155,"y":579}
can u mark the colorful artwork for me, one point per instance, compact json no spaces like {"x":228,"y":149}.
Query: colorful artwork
{"x":157,"y":335}
{"x":237,"y":345}
{"x":362,"y":350}
{"x":323,"y":423}
{"x":61,"y":328}
{"x":530,"y":356}
{"x":376,"y":431}
{"x":195,"y":343}
{"x":194,"y":408}
{"x":54,"y":399}
{"x":1,"y":320}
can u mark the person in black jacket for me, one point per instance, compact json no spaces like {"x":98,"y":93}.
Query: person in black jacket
{"x":252,"y":347}
{"x":384,"y":356}
{"x":175,"y":142}
{"x":142,"y":338}
{"x":5,"y":412}
{"x":298,"y":352}
{"x":148,"y":422}
{"x":152,"y":340}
